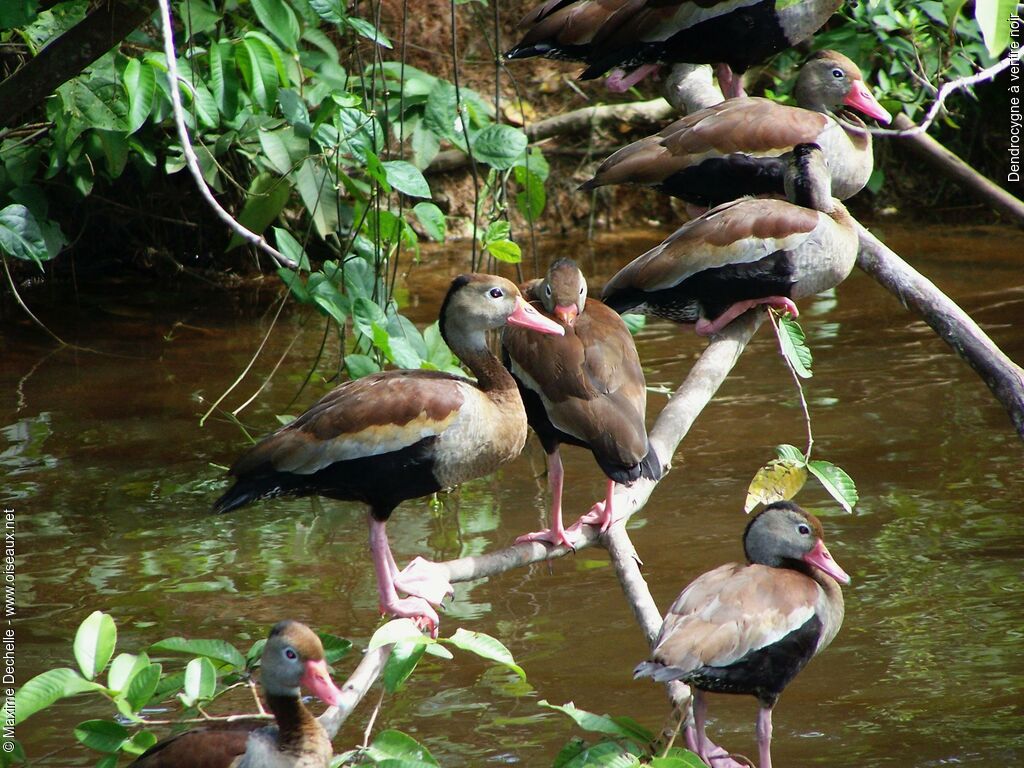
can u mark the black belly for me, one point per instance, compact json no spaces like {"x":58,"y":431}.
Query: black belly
{"x":763,"y":673}
{"x":383,"y":481}
{"x":740,"y":39}
{"x":712,"y":291}
{"x":721,"y":179}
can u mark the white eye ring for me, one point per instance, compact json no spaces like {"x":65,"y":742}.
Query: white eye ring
{"x":495,"y":293}
{"x":837,"y":73}
{"x":290,"y":654}
{"x":803,"y":529}
{"x":547,"y":290}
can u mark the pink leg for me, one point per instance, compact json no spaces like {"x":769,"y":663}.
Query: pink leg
{"x":730,"y":83}
{"x":556,"y":534}
{"x":415,"y":608}
{"x":601,"y":513}
{"x":707,"y":327}
{"x":764,"y":737}
{"x":619,"y":82}
{"x":697,"y":739}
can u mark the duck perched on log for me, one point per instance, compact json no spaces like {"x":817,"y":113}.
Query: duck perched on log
{"x":739,"y":147}
{"x":399,"y":435}
{"x":585,"y":388}
{"x":745,"y":253}
{"x":293,"y":658}
{"x":637,"y":35}
{"x":749,"y":629}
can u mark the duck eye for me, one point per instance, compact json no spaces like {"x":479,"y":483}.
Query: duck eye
{"x":495,"y":293}
{"x":838,"y":73}
{"x":803,"y":529}
{"x":581,"y":291}
{"x":290,"y":654}
{"x":547,"y":290}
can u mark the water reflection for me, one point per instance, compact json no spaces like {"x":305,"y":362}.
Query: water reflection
{"x":112,"y":480}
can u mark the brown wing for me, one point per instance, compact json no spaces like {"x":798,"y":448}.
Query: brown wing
{"x":737,"y":232}
{"x":200,"y":748}
{"x":731,"y":611}
{"x":373,"y":415}
{"x":569,"y":24}
{"x":752,"y":126}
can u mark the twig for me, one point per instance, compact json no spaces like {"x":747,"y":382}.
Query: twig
{"x":799,"y":386}
{"x":354,"y":689}
{"x":190,"y":156}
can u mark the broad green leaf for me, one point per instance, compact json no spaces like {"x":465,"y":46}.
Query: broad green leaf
{"x":396,"y":349}
{"x":499,"y":146}
{"x":360,"y":365}
{"x":366,"y":29}
{"x":486,"y":647}
{"x":319,"y":196}
{"x":332,"y":11}
{"x":140,"y":83}
{"x":533,"y":197}
{"x":139,"y":742}
{"x":790,"y":453}
{"x":588,"y":721}
{"x":279,"y":20}
{"x":294,"y":110}
{"x":335,"y":648}
{"x":275,"y":147}
{"x":425,"y":145}
{"x":42,"y":690}
{"x":366,"y":314}
{"x":395,"y":745}
{"x":689,"y":760}
{"x":778,"y":480}
{"x":224,"y":78}
{"x":839,"y":484}
{"x":791,"y":342}
{"x":264,"y":201}
{"x":101,"y":735}
{"x":994,"y":20}
{"x":123,"y":668}
{"x":497,"y":230}
{"x":432,"y":220}
{"x":291,"y":247}
{"x":143,"y":686}
{"x":401,"y":663}
{"x":94,"y":643}
{"x":396,"y":631}
{"x":218,"y":650}
{"x":606,"y":754}
{"x":406,"y":178}
{"x":20,"y":235}
{"x":256,"y":63}
{"x":200,"y":681}
{"x":505,"y":250}
{"x":108,"y":761}
{"x":440,"y":114}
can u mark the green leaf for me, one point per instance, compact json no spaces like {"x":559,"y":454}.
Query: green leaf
{"x":635,"y":323}
{"x":279,"y":20}
{"x":401,"y":663}
{"x":294,"y":110}
{"x":101,"y":735}
{"x":366,"y":29}
{"x":218,"y":650}
{"x":406,"y":178}
{"x":123,"y":668}
{"x":533,"y":198}
{"x":360,"y":365}
{"x":264,"y":202}
{"x":688,"y":760}
{"x":44,"y":689}
{"x":94,"y":643}
{"x":200,"y":681}
{"x":994,"y":20}
{"x":588,"y":721}
{"x":499,"y":146}
{"x":291,"y":247}
{"x":140,"y":742}
{"x":486,"y":647}
{"x":606,"y":754}
{"x":778,"y":480}
{"x":142,"y":687}
{"x":319,"y":196}
{"x":839,"y":484}
{"x":20,"y":235}
{"x":395,"y":745}
{"x":140,"y":83}
{"x":256,"y":63}
{"x":505,"y":250}
{"x":332,"y":11}
{"x":335,"y":648}
{"x":791,"y":342}
{"x":432,"y":220}
{"x":790,"y":453}
{"x":224,"y":78}
{"x":396,"y":631}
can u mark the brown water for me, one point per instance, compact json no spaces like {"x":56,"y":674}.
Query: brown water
{"x":112,"y":479}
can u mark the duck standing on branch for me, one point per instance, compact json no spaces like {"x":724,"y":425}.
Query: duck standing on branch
{"x":745,"y":253}
{"x":749,"y":629}
{"x":738,"y":147}
{"x":585,"y":388}
{"x":399,"y":435}
{"x":292,"y":658}
{"x":637,"y":35}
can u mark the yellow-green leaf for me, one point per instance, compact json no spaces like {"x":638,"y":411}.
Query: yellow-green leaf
{"x":778,"y":480}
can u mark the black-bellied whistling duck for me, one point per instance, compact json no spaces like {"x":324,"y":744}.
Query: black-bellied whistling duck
{"x":399,"y":435}
{"x":585,"y":388}
{"x":750,"y":629}
{"x":292,"y":658}
{"x":745,"y":253}
{"x":638,"y":34}
{"x":736,"y":148}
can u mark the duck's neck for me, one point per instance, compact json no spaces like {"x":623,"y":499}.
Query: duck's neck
{"x":471,"y":348}
{"x":296,"y":726}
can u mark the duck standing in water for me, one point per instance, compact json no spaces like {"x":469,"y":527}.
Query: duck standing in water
{"x":399,"y":435}
{"x":749,"y":629}
{"x":293,"y":658}
{"x":585,"y":388}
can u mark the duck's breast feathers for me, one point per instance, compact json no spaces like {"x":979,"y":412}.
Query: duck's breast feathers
{"x":752,"y":126}
{"x":738,"y":232}
{"x":734,"y":610}
{"x":377,"y":414}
